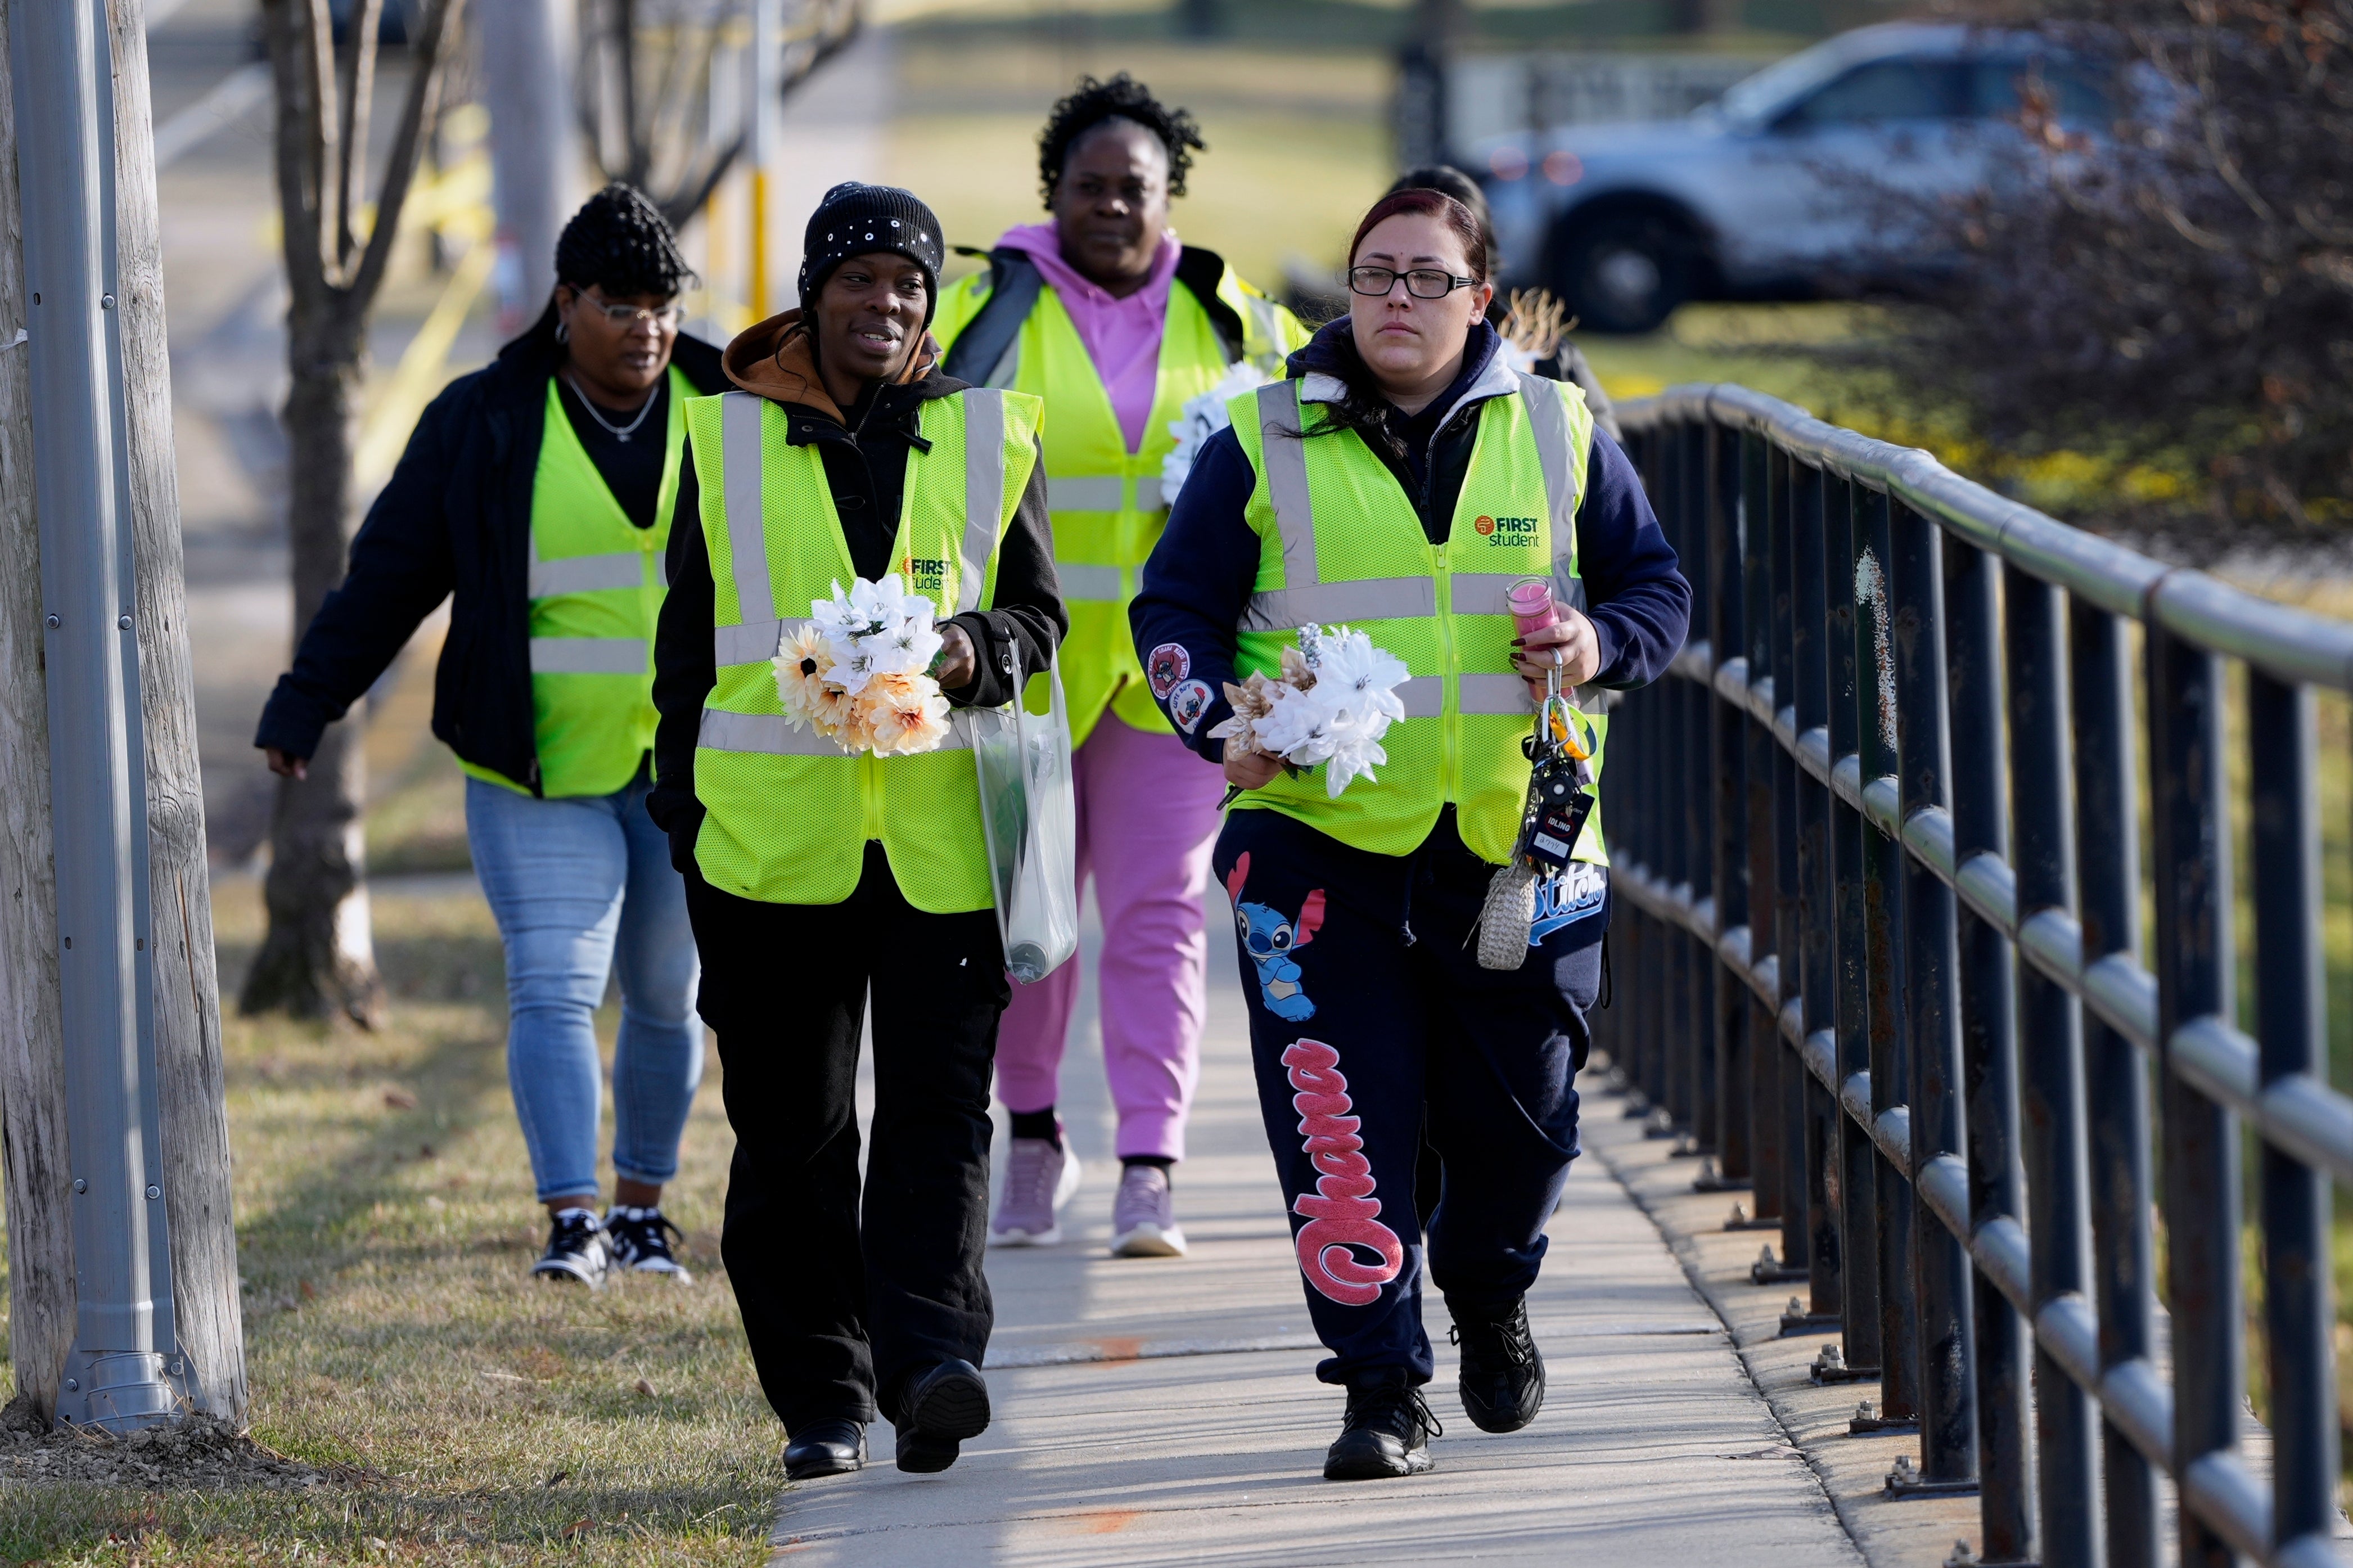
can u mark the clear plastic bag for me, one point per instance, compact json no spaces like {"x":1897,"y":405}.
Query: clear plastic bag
{"x":1029,"y":816}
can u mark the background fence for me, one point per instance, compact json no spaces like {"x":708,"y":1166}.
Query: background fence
{"x":1880,"y":840}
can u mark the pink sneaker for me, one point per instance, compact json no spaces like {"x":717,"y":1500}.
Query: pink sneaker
{"x":1144,"y":1216}
{"x":1039,"y":1180}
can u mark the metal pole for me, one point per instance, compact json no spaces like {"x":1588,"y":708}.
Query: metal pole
{"x":765,"y":85}
{"x":124,"y":1369}
{"x":527,"y":50}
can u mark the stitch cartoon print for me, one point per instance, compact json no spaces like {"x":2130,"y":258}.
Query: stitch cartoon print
{"x":1268,"y":937}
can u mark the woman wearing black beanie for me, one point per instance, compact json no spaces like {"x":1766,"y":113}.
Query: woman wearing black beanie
{"x":813,"y":876}
{"x":535,"y":491}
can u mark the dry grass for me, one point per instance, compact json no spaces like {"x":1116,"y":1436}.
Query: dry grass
{"x":384,"y":1223}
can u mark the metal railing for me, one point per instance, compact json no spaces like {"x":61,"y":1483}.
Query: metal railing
{"x":1877,"y":841}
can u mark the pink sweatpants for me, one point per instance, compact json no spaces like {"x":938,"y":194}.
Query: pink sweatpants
{"x":1147,"y":817}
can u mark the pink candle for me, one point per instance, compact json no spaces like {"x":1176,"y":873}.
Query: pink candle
{"x":1531,"y":605}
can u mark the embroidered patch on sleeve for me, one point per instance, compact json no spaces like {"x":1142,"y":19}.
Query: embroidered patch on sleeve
{"x":1187,"y":703}
{"x":1166,"y":665}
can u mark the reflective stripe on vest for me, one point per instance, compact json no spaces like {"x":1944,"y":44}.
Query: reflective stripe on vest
{"x":1441,"y":608}
{"x":787,"y":812}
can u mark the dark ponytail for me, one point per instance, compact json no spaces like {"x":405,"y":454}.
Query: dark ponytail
{"x":1362,"y":407}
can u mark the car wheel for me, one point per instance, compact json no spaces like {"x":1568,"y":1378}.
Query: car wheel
{"x":1626,"y":272}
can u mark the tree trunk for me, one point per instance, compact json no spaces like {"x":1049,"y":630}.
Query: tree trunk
{"x":318,"y":960}
{"x":194,"y":1156}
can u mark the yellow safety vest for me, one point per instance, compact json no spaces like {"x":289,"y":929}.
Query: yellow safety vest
{"x":1339,"y":543}
{"x":596,"y":584}
{"x":1107,"y":507}
{"x":788,"y":813}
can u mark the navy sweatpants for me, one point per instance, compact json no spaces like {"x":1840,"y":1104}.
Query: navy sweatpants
{"x":1371,"y":1018}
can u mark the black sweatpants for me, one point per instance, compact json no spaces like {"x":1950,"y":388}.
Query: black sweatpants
{"x":840,"y":1306}
{"x":1371,"y":1018}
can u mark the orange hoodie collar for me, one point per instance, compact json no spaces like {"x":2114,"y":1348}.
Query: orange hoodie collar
{"x":776,"y":359}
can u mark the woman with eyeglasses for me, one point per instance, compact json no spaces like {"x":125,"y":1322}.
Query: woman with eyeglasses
{"x":538,"y":492}
{"x":1402,"y":480}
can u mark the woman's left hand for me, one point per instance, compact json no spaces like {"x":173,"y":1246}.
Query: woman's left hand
{"x":1568,"y":645}
{"x":956,"y":665}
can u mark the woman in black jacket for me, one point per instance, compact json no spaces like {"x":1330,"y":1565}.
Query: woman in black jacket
{"x":536,"y":491}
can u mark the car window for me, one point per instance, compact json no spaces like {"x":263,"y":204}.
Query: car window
{"x":2079,"y":95}
{"x":1889,"y":90}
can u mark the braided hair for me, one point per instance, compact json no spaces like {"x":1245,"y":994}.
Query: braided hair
{"x":619,"y":241}
{"x":1121,"y":97}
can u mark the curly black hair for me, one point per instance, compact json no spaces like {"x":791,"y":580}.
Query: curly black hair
{"x":1121,"y":97}
{"x":619,"y":241}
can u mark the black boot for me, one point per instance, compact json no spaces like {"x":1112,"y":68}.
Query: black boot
{"x":1386,"y":1432}
{"x":834,"y":1446}
{"x":1502,"y":1375}
{"x":939,"y":1410}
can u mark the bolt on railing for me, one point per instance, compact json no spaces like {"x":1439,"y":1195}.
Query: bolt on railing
{"x":1879,"y":846}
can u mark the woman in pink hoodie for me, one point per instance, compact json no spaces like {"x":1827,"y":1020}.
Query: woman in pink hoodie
{"x":1118,"y":326}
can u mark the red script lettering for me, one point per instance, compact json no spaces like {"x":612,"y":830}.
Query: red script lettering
{"x":1342,"y":1213}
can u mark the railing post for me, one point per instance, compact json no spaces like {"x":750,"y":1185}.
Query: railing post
{"x":2116,"y":1077}
{"x":2050,"y":1026}
{"x":1788,"y":893}
{"x":2193,"y":963}
{"x":1849,"y":1014}
{"x":1695,"y":707}
{"x":2291,"y":1006}
{"x":1817,"y":999}
{"x":1947,"y":1414}
{"x":1762,"y":1032}
{"x":1882,"y":908}
{"x":1988,"y":1046}
{"x":1728,"y":728}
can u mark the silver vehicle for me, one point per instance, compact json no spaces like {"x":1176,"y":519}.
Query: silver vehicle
{"x":1765,"y":193}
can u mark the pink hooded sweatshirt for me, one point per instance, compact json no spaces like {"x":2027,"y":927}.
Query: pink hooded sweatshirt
{"x":1122,"y":336}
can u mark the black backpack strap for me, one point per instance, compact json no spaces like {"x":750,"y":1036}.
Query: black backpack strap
{"x":981,"y":347}
{"x":1201,"y":271}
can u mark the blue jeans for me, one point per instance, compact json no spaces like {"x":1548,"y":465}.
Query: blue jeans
{"x":580,"y":888}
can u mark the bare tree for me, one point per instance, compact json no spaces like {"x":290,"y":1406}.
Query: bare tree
{"x":2167,"y":288}
{"x":317,"y":959}
{"x":651,"y":71}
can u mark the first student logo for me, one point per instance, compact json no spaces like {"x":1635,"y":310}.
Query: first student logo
{"x":1505,"y":530}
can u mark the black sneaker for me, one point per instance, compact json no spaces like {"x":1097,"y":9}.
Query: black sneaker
{"x":940,"y":1409}
{"x":640,"y":1242}
{"x":578,"y":1250}
{"x":1502,"y":1375}
{"x":1386,"y":1432}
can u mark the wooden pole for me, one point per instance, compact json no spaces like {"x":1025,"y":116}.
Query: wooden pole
{"x":190,"y":1169}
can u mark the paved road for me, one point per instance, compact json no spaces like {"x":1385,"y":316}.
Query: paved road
{"x":1166,"y":1411}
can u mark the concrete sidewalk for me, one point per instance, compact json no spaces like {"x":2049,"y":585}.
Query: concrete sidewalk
{"x":1166,"y":1411}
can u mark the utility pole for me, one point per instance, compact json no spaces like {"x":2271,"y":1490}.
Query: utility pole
{"x":124,"y":1278}
{"x":1418,"y":115}
{"x":527,"y":50}
{"x":767,"y":86}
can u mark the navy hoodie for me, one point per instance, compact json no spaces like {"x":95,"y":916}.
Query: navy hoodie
{"x":1199,"y":578}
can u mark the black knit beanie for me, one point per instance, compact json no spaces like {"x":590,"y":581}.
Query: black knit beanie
{"x":853,"y":218}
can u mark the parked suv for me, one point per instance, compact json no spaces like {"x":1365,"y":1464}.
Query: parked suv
{"x":1759,"y":196}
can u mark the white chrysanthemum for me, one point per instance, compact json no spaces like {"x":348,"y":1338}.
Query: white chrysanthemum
{"x":875,"y":629}
{"x":1202,"y":417}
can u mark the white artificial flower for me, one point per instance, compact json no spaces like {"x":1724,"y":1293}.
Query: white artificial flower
{"x":1202,"y":417}
{"x":1360,"y":678}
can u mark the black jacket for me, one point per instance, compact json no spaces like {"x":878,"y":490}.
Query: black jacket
{"x":454,"y":519}
{"x":865,"y":468}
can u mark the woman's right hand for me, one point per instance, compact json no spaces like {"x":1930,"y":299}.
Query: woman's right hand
{"x":1249,"y":770}
{"x":286,"y":767}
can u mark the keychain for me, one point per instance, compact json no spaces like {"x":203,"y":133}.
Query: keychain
{"x":1561,"y":799}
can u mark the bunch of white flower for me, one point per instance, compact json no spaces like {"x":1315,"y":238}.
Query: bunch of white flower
{"x":876,"y":629}
{"x":1333,"y":704}
{"x":1203,"y":416}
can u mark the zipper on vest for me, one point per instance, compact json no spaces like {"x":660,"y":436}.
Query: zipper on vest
{"x":1449,"y":723}
{"x":869,"y":796}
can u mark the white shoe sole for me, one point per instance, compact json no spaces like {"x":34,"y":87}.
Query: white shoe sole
{"x":1148,"y":1240}
{"x":677,"y":1272}
{"x":1066,"y":1187}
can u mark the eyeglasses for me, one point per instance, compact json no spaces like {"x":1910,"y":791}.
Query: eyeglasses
{"x":1423,"y":283}
{"x":626,"y":317}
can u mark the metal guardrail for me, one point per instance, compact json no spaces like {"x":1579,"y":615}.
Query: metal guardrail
{"x":1879,"y":837}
